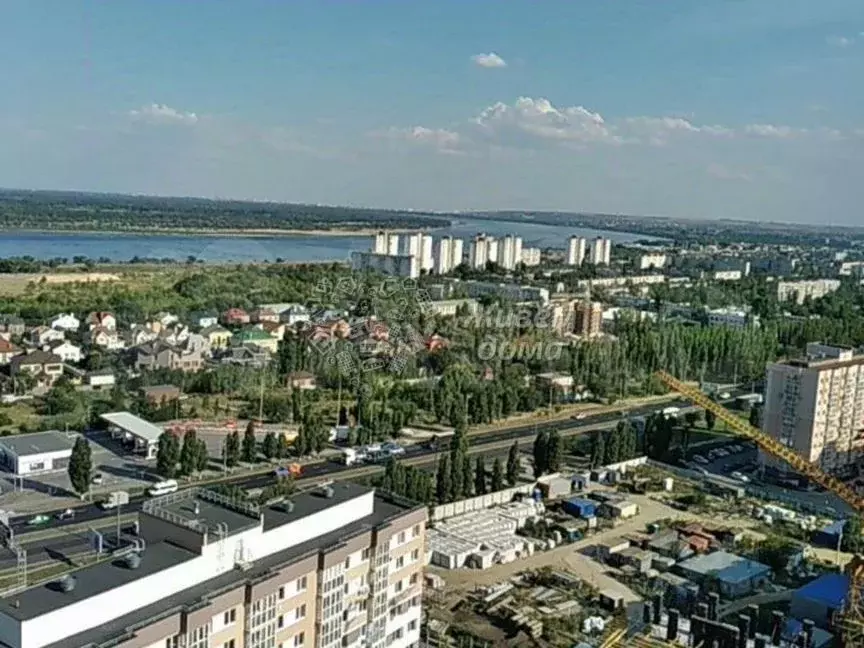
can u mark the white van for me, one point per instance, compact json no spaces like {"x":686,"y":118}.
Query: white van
{"x":163,"y":488}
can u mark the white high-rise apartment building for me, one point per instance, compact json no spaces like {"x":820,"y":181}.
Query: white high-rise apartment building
{"x":601,"y":251}
{"x":576,"y":250}
{"x":397,"y":265}
{"x":379,"y":243}
{"x":448,"y":255}
{"x":420,"y":246}
{"x":479,"y":252}
{"x":392,"y":244}
{"x":510,"y":252}
{"x":531,"y":256}
{"x":816,"y":406}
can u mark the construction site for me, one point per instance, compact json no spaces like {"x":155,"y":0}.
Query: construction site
{"x":709,"y":585}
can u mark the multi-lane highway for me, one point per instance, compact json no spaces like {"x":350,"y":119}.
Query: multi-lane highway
{"x":332,"y":470}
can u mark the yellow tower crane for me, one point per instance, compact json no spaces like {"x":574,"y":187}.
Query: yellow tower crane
{"x":850,"y":624}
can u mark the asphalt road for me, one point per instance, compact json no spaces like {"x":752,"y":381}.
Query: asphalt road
{"x":332,"y":470}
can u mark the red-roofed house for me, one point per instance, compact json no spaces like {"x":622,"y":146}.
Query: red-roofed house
{"x":104,"y":320}
{"x":235,"y":317}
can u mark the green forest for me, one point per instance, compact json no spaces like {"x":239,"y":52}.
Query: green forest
{"x":67,"y":211}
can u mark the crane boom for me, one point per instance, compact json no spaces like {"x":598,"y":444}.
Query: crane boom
{"x":768,"y":444}
{"x":851,"y":621}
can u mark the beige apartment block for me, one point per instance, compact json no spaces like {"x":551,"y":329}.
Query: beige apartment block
{"x":816,"y":406}
{"x":338,"y":566}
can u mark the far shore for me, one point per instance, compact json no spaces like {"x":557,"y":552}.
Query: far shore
{"x":239,"y":233}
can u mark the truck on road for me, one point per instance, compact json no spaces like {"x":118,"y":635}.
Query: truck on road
{"x":115,"y":499}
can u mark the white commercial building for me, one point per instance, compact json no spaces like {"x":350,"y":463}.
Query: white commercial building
{"x":398,"y":265}
{"x":576,"y":247}
{"x":40,"y":452}
{"x":449,"y":254}
{"x":816,"y":406}
{"x":143,"y":435}
{"x":338,"y":567}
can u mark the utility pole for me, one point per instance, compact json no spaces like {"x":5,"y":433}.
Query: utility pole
{"x":261,"y":400}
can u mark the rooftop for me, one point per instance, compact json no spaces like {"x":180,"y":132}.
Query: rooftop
{"x":134,"y":425}
{"x":204,"y":511}
{"x":158,"y":556}
{"x":828,"y":589}
{"x":727,"y":567}
{"x":24,"y":445}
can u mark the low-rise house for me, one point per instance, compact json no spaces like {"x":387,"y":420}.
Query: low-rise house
{"x":101,"y":319}
{"x":166,"y":319}
{"x":273,"y":329}
{"x":256,"y":337}
{"x":67,"y":351}
{"x":44,"y":366}
{"x":65,"y":322}
{"x":264,"y":315}
{"x":159,"y":355}
{"x":106,"y":338}
{"x":139,"y":334}
{"x":246,"y":356}
{"x":295,"y":314}
{"x":733,"y":575}
{"x":13,"y":325}
{"x":42,"y":336}
{"x":174,"y":334}
{"x":217,"y":336}
{"x":204,"y":319}
{"x":7,"y":352}
{"x":235,"y":317}
{"x":301,"y":380}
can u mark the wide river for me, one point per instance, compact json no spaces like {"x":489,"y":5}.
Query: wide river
{"x":298,"y":249}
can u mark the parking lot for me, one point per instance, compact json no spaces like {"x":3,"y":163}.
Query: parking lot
{"x":118,"y":469}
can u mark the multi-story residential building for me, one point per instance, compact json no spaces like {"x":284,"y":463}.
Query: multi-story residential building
{"x":816,"y":406}
{"x":379,"y":243}
{"x":399,"y":265}
{"x":338,"y":567}
{"x":589,"y":319}
{"x":531,"y":256}
{"x":483,"y":249}
{"x":449,"y":254}
{"x":510,"y":252}
{"x":514,"y":292}
{"x":651,"y":262}
{"x":576,"y":247}
{"x":798,"y":291}
{"x":160,"y":355}
{"x":420,"y":246}
{"x":601,"y":252}
{"x":732,"y":317}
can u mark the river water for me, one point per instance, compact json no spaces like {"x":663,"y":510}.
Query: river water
{"x":297,"y":249}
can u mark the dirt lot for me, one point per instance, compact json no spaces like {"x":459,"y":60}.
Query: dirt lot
{"x":16,"y":283}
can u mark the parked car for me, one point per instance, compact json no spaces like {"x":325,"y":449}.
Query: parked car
{"x":700,"y":459}
{"x":97,"y":479}
{"x":740,"y":477}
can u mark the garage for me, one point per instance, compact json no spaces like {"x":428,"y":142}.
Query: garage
{"x":41,"y":452}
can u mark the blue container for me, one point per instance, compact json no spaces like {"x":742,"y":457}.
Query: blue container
{"x":581,"y":508}
{"x":537,"y":495}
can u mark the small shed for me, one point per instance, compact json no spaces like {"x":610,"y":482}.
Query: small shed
{"x":554,"y":487}
{"x":611,"y":546}
{"x":581,"y":508}
{"x":40,"y":452}
{"x":624,"y":510}
{"x":830,"y":535}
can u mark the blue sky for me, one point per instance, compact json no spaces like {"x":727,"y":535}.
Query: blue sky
{"x":690,"y":108}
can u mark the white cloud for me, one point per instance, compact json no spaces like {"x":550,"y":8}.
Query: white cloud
{"x":161,"y":114}
{"x":490,"y":60}
{"x":440,"y":139}
{"x":539,"y":119}
{"x":840,"y":41}
{"x":773,"y":132}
